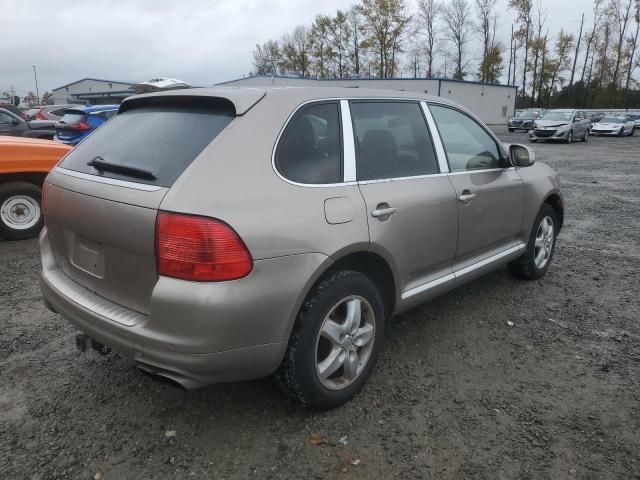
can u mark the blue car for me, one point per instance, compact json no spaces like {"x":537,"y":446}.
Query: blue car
{"x":79,"y":122}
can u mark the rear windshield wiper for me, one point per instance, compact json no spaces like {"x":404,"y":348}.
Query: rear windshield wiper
{"x":100,"y":164}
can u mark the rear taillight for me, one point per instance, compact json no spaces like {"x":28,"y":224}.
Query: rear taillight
{"x":40,"y":115}
{"x":79,"y":126}
{"x":198,"y":248}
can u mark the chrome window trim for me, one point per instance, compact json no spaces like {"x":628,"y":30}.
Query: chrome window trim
{"x":402,"y":179}
{"x":482,"y":170}
{"x":435,"y":136}
{"x":348,"y":144}
{"x":462,"y":272}
{"x":284,"y":127}
{"x":346,"y":174}
{"x":109,"y":181}
{"x":470,"y":114}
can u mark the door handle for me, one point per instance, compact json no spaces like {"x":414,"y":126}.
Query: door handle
{"x":383,"y":212}
{"x":466,"y":196}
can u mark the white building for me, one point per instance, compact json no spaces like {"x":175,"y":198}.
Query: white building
{"x":492,"y":103}
{"x":93,"y":90}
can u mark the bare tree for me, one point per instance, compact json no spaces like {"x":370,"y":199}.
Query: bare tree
{"x":523,"y":10}
{"x":620,"y":11}
{"x":266,"y":58}
{"x":340,"y":39}
{"x":385,"y":23}
{"x":355,"y":55}
{"x":577,"y":51}
{"x":486,"y":28}
{"x":320,"y":43}
{"x":428,"y":13}
{"x":633,"y":44}
{"x":456,"y":17}
{"x":296,"y":51}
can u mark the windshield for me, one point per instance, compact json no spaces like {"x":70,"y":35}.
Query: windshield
{"x":613,"y":120}
{"x":635,"y":116}
{"x":560,"y":116}
{"x":528,"y":115}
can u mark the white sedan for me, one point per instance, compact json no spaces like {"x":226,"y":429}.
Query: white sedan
{"x":619,"y":126}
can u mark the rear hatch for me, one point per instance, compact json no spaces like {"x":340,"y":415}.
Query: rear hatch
{"x":101,"y":201}
{"x":72,"y":125}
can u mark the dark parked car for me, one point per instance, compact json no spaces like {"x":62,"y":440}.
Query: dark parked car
{"x":12,"y":108}
{"x":11,"y":124}
{"x":46,"y":112}
{"x":524,"y":120}
{"x":79,"y":122}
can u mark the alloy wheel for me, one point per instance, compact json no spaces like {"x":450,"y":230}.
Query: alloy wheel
{"x":345,"y":342}
{"x":543,"y":243}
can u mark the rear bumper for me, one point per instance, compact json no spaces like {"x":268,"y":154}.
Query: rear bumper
{"x":197,"y":333}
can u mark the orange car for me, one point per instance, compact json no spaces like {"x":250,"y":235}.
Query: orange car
{"x":24,"y":162}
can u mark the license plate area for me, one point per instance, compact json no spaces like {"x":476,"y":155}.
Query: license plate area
{"x":88,"y":256}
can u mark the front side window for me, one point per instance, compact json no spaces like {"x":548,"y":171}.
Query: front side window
{"x":5,"y":119}
{"x":310,"y":150}
{"x":467,"y":144}
{"x":392,"y":140}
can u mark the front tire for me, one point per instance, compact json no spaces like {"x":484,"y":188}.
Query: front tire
{"x":335,"y":342}
{"x":20,"y":210}
{"x":633,"y":131}
{"x":535,"y":262}
{"x":586,"y":136}
{"x":569,"y":137}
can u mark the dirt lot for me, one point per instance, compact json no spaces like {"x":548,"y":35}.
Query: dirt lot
{"x":457,"y":394}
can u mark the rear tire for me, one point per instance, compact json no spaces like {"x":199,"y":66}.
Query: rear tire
{"x":20,"y":210}
{"x":633,"y":131}
{"x":323,"y":332}
{"x":535,"y":262}
{"x":512,"y":129}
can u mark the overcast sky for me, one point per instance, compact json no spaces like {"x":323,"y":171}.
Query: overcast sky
{"x":199,"y":41}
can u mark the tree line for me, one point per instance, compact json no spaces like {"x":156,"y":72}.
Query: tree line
{"x":591,"y":67}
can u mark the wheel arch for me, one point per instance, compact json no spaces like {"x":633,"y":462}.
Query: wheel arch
{"x":358,"y":258}
{"x":35,"y":178}
{"x":555,"y":201}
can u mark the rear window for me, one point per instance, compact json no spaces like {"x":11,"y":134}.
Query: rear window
{"x":72,"y":117}
{"x":160,"y":141}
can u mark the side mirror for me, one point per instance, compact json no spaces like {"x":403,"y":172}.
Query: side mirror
{"x":521,"y":156}
{"x":576,"y":120}
{"x":15,"y":121}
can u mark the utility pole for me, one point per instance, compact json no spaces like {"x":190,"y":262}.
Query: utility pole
{"x":35,"y":76}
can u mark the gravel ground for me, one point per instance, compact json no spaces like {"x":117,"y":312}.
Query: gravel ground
{"x":457,"y":393}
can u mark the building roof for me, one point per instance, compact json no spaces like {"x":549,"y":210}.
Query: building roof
{"x":361,"y":79}
{"x":93,"y":79}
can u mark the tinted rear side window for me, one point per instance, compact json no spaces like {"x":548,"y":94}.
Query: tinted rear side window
{"x":160,"y":140}
{"x":392,"y":140}
{"x":310,"y":150}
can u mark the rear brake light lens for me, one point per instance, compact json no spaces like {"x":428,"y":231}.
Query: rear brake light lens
{"x":79,"y":126}
{"x":40,"y":115}
{"x":200,"y":249}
